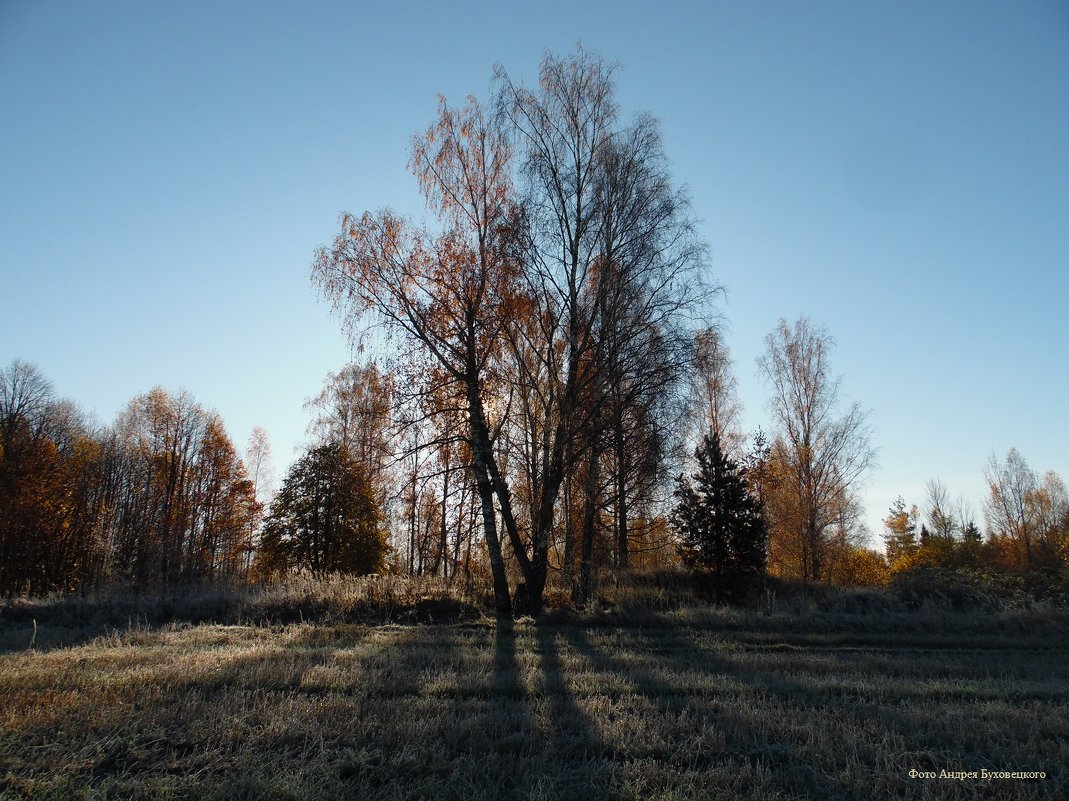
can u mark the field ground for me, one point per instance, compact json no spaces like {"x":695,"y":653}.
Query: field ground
{"x":690,"y":704}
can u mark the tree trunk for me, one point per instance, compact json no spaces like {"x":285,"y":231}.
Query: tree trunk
{"x":482,"y":457}
{"x":569,"y":534}
{"x":590,"y":519}
{"x":814,"y":551}
{"x":621,"y":498}
{"x":443,"y":534}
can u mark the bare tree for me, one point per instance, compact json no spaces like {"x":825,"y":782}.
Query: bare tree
{"x":259,"y":464}
{"x":516,"y":309}
{"x":446,"y":297}
{"x":650,"y":265}
{"x":1050,"y":508}
{"x":25,"y":395}
{"x":1031,"y":513}
{"x":560,"y":128}
{"x":964,"y":514}
{"x":612,"y":264}
{"x":825,"y":453}
{"x":939,"y":511}
{"x":1010,"y":486}
{"x":353,"y":410}
{"x":261,"y":472}
{"x":716,"y":400}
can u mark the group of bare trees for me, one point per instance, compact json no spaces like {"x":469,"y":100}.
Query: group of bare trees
{"x":1028,"y":513}
{"x":547,"y":315}
{"x":159,"y":499}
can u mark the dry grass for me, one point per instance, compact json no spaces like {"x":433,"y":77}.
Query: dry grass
{"x":692,"y":704}
{"x":70,"y":620}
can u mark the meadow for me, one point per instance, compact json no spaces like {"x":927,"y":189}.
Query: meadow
{"x":638,"y":699}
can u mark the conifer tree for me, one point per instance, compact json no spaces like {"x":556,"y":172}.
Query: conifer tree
{"x":721,"y":525}
{"x":324,"y":519}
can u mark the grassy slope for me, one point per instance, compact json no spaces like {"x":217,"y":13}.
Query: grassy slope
{"x":690,"y":705}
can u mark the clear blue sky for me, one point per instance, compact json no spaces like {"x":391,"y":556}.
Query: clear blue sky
{"x":899,"y":172}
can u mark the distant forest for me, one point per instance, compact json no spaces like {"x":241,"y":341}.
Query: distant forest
{"x":550,"y":366}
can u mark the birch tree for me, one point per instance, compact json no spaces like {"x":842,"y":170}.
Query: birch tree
{"x":823,"y":451}
{"x":445,"y":296}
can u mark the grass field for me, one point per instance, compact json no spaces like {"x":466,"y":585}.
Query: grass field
{"x":692,"y":703}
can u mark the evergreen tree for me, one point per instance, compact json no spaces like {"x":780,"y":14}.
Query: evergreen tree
{"x":721,"y":525}
{"x":925,"y":535}
{"x":325,"y":518}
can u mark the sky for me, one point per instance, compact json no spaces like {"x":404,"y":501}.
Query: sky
{"x":896,"y":172}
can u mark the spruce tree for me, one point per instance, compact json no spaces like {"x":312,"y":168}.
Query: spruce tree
{"x":325,"y":519}
{"x":721,"y":526}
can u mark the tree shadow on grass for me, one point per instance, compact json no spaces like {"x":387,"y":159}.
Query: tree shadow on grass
{"x":465,"y":728}
{"x":572,"y":754}
{"x":798,"y":729}
{"x":505,"y":743}
{"x":309,"y":713}
{"x":438,"y":713}
{"x":742,"y":742}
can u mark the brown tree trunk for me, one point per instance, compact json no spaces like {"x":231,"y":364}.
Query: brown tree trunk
{"x":443,"y":544}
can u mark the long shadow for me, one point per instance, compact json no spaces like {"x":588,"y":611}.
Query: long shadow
{"x":459,"y":727}
{"x":399,"y":744}
{"x":142,"y":697}
{"x":452,"y":717}
{"x":47,"y":624}
{"x":510,"y":750}
{"x":23,"y":636}
{"x":573,"y":756}
{"x":743,"y":741}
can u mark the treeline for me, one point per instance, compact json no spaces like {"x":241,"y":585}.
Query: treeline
{"x":157,"y":500}
{"x":160,"y":499}
{"x":1027,"y":528}
{"x":548,"y":370}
